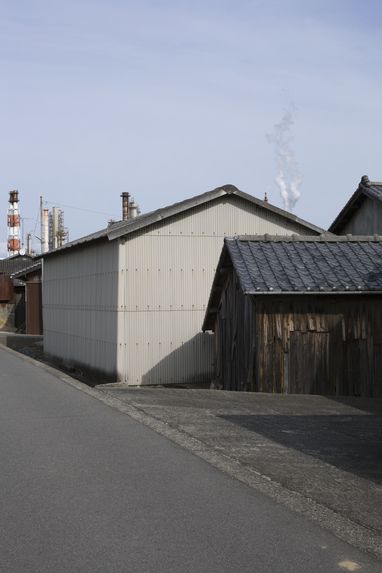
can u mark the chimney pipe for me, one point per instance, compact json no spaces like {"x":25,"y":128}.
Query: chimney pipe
{"x":29,"y":243}
{"x":45,"y":228}
{"x":133,"y":209}
{"x":125,"y":205}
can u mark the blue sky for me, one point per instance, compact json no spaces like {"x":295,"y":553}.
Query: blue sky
{"x":170,"y":99}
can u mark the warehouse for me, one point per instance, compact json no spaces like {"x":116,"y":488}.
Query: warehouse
{"x":127,"y":303}
{"x":298,"y":315}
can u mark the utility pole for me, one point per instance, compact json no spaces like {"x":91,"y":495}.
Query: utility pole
{"x":44,"y":227}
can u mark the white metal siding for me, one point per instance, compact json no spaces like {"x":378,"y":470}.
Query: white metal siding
{"x":166,"y":276}
{"x":80,"y":306}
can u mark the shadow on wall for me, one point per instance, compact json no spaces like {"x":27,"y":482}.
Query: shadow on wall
{"x":191,"y":363}
{"x":351,"y":443}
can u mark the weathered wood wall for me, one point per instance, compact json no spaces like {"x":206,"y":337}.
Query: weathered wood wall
{"x":299,"y":344}
{"x":235,"y":338}
{"x":319,"y":345}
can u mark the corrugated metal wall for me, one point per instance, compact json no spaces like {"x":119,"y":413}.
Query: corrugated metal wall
{"x":80,"y":306}
{"x":166,"y":277}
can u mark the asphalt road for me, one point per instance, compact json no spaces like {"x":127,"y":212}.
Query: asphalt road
{"x":85,"y":488}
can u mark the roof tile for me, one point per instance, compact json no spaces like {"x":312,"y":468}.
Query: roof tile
{"x":310,"y":264}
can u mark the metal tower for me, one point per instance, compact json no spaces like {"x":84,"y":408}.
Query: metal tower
{"x":14,"y":243}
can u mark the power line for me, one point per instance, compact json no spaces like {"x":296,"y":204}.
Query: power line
{"x":57,"y":204}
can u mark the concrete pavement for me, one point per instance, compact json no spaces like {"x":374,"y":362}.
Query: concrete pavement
{"x":320,"y":456}
{"x":84,"y":487}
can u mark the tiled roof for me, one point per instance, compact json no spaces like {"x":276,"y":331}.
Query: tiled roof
{"x":124,"y":228}
{"x":366,"y":188}
{"x":16,"y":263}
{"x":23,"y":273}
{"x":317,"y":264}
{"x":321,"y":265}
{"x":374,"y":190}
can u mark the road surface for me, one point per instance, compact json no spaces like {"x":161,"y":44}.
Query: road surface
{"x":85,"y":488}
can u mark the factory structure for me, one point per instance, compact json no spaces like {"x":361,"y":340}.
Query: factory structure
{"x":13,"y":224}
{"x":54,"y":234}
{"x":21,"y":270}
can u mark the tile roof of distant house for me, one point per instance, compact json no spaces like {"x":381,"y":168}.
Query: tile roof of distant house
{"x":321,"y":265}
{"x":15,"y":263}
{"x":123,"y":228}
{"x":366,"y":189}
{"x":24,"y":272}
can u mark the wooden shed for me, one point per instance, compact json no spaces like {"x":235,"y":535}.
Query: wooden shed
{"x":362,"y":214}
{"x":126,"y":303}
{"x":298,"y":315}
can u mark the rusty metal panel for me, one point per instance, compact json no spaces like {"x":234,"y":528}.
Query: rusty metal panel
{"x":6,"y":288}
{"x":33,"y":310}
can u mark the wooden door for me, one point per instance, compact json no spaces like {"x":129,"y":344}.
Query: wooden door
{"x":33,"y":308}
{"x":308,"y":363}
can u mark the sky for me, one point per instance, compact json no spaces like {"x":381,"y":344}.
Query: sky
{"x":169,"y":99}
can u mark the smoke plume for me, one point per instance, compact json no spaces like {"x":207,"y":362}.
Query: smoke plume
{"x":288,"y":178}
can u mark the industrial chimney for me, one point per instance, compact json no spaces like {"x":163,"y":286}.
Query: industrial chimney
{"x":133,"y":209}
{"x":45,"y":231}
{"x":125,"y":205}
{"x":13,"y":223}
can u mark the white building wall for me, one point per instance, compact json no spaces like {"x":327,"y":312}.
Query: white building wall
{"x":166,"y":276}
{"x":80,"y":306}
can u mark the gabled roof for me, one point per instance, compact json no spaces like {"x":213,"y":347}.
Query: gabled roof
{"x":124,"y":228}
{"x":366,"y":190}
{"x":326,"y":264}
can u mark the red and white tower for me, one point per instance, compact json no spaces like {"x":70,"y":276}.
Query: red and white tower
{"x":14,"y":242}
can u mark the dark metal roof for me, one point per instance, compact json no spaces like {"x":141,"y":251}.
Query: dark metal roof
{"x":366,"y":189}
{"x":124,"y":228}
{"x":326,"y":264}
{"x":23,"y":273}
{"x":13,"y":264}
